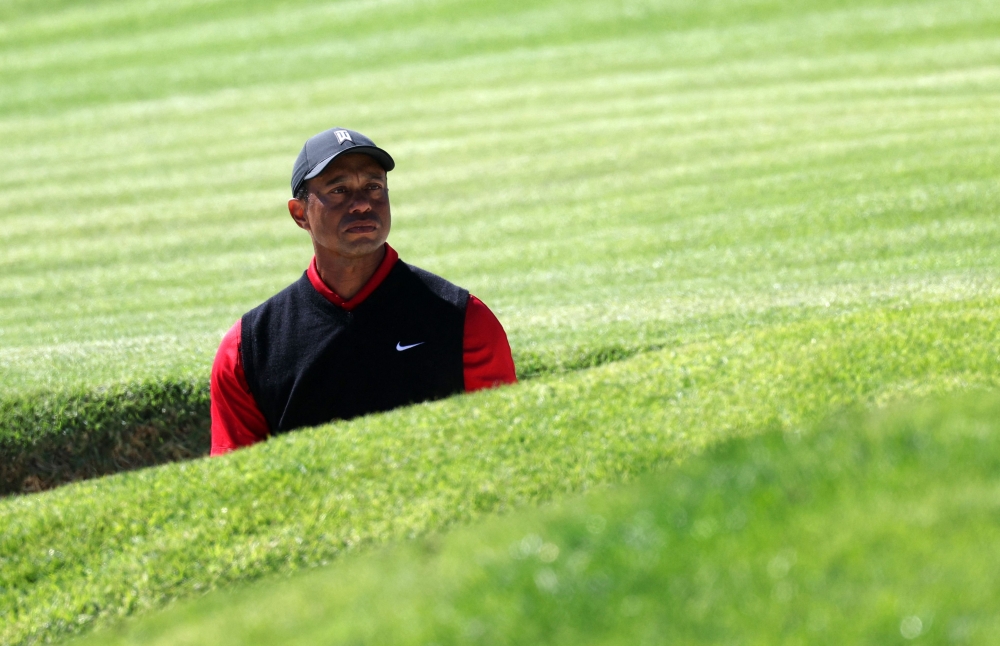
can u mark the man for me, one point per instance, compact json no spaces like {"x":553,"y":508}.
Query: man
{"x":361,"y":331}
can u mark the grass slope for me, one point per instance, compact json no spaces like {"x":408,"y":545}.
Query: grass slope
{"x":870,"y":530}
{"x":57,"y":438}
{"x":142,"y":539}
{"x":610,"y":177}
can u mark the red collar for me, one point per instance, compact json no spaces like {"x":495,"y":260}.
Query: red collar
{"x":383,"y":270}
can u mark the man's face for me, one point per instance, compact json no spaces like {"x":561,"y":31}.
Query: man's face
{"x":347,"y":210}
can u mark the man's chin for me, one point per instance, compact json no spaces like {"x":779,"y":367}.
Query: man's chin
{"x":361,"y":246}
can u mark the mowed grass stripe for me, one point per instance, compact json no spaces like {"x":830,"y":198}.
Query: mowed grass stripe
{"x":912,"y":207}
{"x":142,"y":243}
{"x":825,"y":124}
{"x":300,"y":500}
{"x":903,"y":215}
{"x":493,"y":97}
{"x":775,"y":88}
{"x":692,"y":116}
{"x":479,"y":31}
{"x":931,"y":242}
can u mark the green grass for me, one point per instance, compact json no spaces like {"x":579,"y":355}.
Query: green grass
{"x":697,"y":189}
{"x":52,"y":438}
{"x":873,"y":529}
{"x":608,"y":177}
{"x":144,"y":538}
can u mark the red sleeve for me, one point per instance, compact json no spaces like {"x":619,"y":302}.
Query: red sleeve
{"x":485,"y":350}
{"x":236,"y":420}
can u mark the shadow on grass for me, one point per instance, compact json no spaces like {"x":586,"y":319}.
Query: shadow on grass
{"x":49,"y":439}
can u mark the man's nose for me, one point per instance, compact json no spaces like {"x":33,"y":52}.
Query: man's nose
{"x":360,"y":202}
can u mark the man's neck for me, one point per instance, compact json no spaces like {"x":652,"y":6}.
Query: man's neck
{"x":346,"y":276}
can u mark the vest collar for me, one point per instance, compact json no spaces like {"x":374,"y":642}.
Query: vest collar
{"x":383,"y":270}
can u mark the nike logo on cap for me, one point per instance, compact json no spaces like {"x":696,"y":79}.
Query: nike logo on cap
{"x":400,"y":348}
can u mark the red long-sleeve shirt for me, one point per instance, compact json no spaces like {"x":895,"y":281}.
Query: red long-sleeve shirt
{"x":238,"y":422}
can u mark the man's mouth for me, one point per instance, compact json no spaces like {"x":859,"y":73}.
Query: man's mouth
{"x":361,"y":227}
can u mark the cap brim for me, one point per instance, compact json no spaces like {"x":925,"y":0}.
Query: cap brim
{"x":382,"y":157}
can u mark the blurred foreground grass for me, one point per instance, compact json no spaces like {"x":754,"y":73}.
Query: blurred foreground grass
{"x":611,"y":177}
{"x":873,"y":529}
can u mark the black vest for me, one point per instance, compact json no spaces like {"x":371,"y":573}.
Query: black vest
{"x":308,"y":361}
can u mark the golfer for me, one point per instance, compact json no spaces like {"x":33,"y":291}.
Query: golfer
{"x":361,"y":331}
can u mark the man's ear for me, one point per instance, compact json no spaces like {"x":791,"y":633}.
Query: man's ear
{"x":297,"y":209}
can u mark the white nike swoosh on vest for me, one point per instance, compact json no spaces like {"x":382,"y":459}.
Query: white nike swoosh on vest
{"x":400,"y":348}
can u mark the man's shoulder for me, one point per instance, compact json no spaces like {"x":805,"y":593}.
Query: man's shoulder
{"x":284,"y":298}
{"x":438,"y":286}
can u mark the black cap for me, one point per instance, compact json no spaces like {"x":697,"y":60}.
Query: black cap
{"x":319,"y":150}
